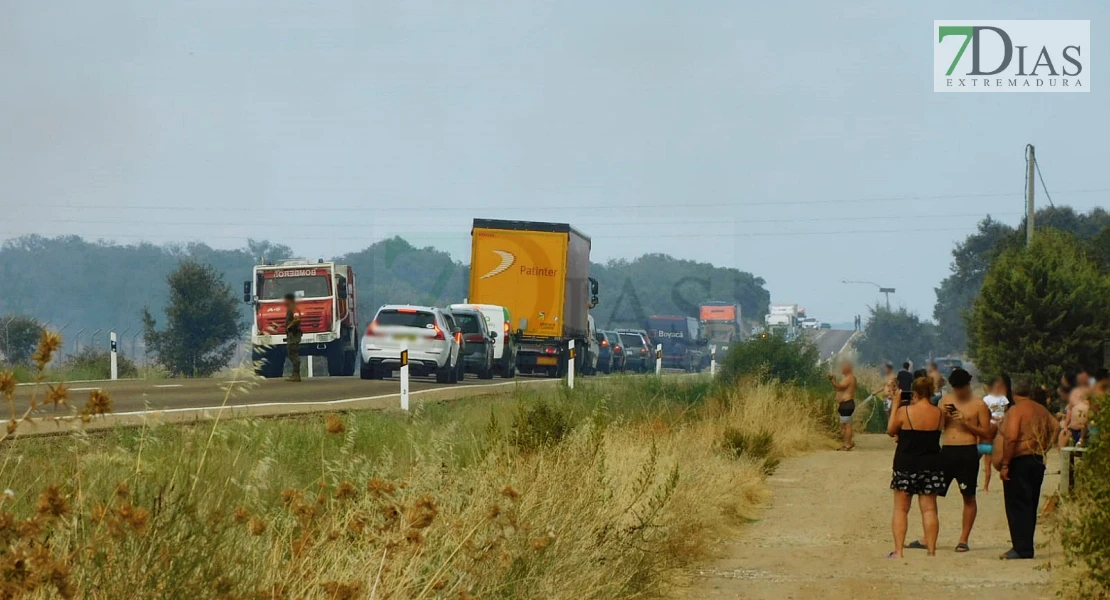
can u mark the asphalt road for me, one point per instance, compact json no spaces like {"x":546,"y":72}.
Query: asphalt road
{"x":830,"y":342}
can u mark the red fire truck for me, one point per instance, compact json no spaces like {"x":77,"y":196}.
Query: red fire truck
{"x":327,"y":301}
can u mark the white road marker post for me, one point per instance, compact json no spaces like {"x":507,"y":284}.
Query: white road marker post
{"x":404,"y":376}
{"x":310,"y":361}
{"x":659,"y":359}
{"x":713,"y":361}
{"x":570,"y":365}
{"x":115,"y":351}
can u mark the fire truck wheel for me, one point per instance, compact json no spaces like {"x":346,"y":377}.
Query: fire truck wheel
{"x":269,"y":363}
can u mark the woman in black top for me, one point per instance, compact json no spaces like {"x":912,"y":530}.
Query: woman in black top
{"x":917,"y":470}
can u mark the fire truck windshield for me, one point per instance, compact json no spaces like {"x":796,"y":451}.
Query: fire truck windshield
{"x":303,"y":287}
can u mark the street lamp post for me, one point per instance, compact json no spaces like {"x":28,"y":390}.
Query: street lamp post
{"x":882,"y":290}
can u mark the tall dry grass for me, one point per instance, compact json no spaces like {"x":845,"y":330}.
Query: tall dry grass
{"x":608,"y":491}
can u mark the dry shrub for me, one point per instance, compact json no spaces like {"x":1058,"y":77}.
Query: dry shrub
{"x":605,"y":493}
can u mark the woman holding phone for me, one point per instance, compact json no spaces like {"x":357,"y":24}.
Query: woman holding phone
{"x":917,"y":465}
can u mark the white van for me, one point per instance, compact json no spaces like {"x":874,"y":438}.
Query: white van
{"x":498,"y":320}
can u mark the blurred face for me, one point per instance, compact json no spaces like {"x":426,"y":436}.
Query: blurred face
{"x":1083,"y":380}
{"x":998,"y":388}
{"x":963,"y":393}
{"x":846,"y":369}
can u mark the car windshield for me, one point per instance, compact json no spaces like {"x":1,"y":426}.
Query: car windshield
{"x":313,"y":286}
{"x":406,"y":318}
{"x":469,"y":322}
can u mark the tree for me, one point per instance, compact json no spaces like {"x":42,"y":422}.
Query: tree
{"x":1042,"y":310}
{"x":18,"y":338}
{"x":973,"y":257}
{"x":895,"y":335}
{"x":202,"y":322}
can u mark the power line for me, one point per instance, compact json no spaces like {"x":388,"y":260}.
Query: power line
{"x":719,"y":220}
{"x":408,"y":206}
{"x":1037,"y":164}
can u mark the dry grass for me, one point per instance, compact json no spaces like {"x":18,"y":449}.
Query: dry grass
{"x":444,"y":503}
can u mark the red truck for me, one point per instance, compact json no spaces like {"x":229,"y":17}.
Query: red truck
{"x":327,"y":301}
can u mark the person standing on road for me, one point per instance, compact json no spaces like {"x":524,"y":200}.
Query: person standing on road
{"x":1026,"y":435}
{"x":293,"y":336}
{"x":998,"y":399}
{"x":938,"y":382}
{"x":966,"y":421}
{"x":846,"y":402}
{"x":917,"y":466}
{"x":905,"y":384}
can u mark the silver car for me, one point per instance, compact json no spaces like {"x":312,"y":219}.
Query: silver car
{"x":430,"y":335}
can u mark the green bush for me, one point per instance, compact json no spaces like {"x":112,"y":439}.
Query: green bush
{"x":773,"y":357}
{"x":1086,"y":518}
{"x":539,"y":426}
{"x":96,"y":363}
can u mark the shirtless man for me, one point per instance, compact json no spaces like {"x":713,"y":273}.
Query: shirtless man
{"x":966,"y":421}
{"x":938,"y":382}
{"x":846,"y":402}
{"x":1027,"y":433}
{"x":1072,"y":426}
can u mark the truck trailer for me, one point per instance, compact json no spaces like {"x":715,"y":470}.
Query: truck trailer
{"x":541,"y":273}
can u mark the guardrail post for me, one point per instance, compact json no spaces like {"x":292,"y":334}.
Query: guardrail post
{"x":404,"y":376}
{"x":311,"y":360}
{"x":570,"y":365}
{"x":659,"y":359}
{"x":713,"y":361}
{"x":115,"y":350}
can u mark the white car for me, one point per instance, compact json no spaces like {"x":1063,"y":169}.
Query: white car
{"x":810,"y":323}
{"x":430,"y":334}
{"x":595,"y":348}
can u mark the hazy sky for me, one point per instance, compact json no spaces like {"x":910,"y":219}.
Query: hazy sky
{"x":800,"y":141}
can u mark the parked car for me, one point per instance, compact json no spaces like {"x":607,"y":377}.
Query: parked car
{"x":477,"y":341}
{"x":639,"y":356}
{"x":498,"y":320}
{"x":432,"y":338}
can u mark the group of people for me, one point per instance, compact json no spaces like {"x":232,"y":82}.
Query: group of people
{"x":944,"y":432}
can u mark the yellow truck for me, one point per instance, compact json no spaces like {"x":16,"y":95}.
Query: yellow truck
{"x":541,"y":273}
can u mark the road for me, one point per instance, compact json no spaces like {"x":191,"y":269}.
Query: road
{"x":827,"y":528}
{"x":180,"y":400}
{"x":830,"y":342}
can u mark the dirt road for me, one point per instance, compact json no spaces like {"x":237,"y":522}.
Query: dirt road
{"x":827,"y":528}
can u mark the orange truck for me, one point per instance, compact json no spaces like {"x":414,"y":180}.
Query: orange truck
{"x":327,"y":301}
{"x":721,"y":324}
{"x":540,"y":272}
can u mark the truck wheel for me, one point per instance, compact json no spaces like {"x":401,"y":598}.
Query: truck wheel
{"x":268,"y":363}
{"x":507,"y":367}
{"x":335,"y":359}
{"x":350,"y":360}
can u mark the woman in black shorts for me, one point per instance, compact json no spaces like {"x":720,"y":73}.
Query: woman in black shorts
{"x":917,"y":470}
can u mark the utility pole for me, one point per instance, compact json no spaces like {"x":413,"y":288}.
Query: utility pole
{"x":1031,"y":164}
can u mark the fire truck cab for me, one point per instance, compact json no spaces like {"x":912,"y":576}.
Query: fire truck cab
{"x":327,"y":302}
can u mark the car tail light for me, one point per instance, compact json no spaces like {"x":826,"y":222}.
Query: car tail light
{"x":549,"y":351}
{"x":439,"y":333}
{"x":475,"y":337}
{"x":617,"y":348}
{"x":643,"y":350}
{"x":370,"y":328}
{"x":458,"y":337}
{"x":407,"y":311}
{"x":506,"y":328}
{"x":604,"y":343}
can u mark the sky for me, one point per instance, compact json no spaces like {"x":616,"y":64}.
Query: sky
{"x":797,"y":140}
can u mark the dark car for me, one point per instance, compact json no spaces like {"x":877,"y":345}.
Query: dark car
{"x":638,"y":355}
{"x":606,"y":359}
{"x":681,"y":340}
{"x":477,"y":342}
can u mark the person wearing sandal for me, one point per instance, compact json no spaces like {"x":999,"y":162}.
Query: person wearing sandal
{"x":917,"y":465}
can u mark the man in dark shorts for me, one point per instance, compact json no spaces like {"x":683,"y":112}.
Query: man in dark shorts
{"x":846,"y":402}
{"x":293,"y":336}
{"x":966,"y":421}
